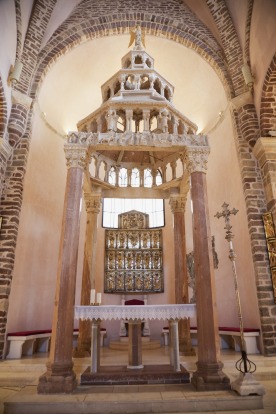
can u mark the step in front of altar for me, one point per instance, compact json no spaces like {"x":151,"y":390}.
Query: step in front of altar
{"x":122,"y":344}
{"x":121,"y":375}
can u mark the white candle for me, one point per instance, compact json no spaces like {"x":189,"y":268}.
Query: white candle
{"x":99,"y":298}
{"x":92,"y":296}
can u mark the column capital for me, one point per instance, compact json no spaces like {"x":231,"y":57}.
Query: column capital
{"x":76,"y":155}
{"x":264,"y":149}
{"x":21,"y":98}
{"x":178,"y":203}
{"x":92,"y":202}
{"x":196,"y":159}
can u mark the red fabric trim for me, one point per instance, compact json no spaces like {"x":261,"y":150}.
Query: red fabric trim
{"x":229,"y":329}
{"x":134,"y":302}
{"x":27,"y":333}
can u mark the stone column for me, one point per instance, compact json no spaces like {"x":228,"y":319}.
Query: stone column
{"x":129,"y":174}
{"x":174,"y":345}
{"x":92,"y":204}
{"x":178,"y":204}
{"x":154,"y":175}
{"x":146,"y":119}
{"x":95,"y":346}
{"x":134,"y":344}
{"x":209,"y":375}
{"x":264,"y":151}
{"x":129,"y":117}
{"x":60,"y":377}
{"x":164,"y":173}
{"x":173,"y":167}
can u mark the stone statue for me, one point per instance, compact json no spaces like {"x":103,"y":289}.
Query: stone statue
{"x":111,"y":119}
{"x":138,"y":37}
{"x":191,"y":274}
{"x":163,"y":118}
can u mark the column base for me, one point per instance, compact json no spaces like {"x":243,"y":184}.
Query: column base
{"x":81,"y":353}
{"x":58,"y":379}
{"x":209,"y":377}
{"x":246,"y":384}
{"x":186,"y":349}
{"x":135,"y":366}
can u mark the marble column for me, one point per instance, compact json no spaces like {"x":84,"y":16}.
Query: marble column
{"x":92,"y":204}
{"x":60,"y":377}
{"x":174,"y":345}
{"x":209,"y":374}
{"x":178,"y":204}
{"x":95,"y":346}
{"x":134,"y":344}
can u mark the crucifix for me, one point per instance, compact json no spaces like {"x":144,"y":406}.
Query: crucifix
{"x":226,"y":213}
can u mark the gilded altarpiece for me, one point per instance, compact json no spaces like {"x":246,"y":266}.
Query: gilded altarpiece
{"x":271,"y":246}
{"x":133,"y":256}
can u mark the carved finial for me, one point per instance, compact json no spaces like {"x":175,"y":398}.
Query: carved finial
{"x":138,"y":37}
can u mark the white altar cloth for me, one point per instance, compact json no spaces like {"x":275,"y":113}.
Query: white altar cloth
{"x":160,"y":312}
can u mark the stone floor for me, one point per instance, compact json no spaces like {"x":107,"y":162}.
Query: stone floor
{"x":19,"y":378}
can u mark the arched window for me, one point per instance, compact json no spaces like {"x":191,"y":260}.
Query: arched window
{"x":122,"y":177}
{"x":159,"y":178}
{"x":148,"y":178}
{"x":112,"y":207}
{"x":135,"y":177}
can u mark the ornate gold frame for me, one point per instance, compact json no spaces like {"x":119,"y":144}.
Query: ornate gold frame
{"x":133,"y":256}
{"x":270,"y":235}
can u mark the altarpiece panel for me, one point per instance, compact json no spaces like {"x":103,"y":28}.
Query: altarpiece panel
{"x":133,"y":256}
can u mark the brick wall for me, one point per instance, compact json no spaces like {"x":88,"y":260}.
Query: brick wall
{"x":268,"y":101}
{"x":10,"y":210}
{"x":253,"y":189}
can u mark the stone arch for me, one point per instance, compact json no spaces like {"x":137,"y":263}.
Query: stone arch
{"x":230,"y":41}
{"x":138,"y":59}
{"x":3,"y":110}
{"x":167,"y":93}
{"x":268,"y":101}
{"x":117,"y":87}
{"x":157,"y":85}
{"x":107,"y":94}
{"x":94,"y":126}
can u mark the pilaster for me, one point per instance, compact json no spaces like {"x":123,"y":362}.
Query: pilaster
{"x":265,"y":152}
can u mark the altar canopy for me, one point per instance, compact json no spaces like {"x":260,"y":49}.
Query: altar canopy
{"x":136,"y":132}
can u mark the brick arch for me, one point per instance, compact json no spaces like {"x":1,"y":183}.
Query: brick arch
{"x":268,"y":101}
{"x":3,"y":109}
{"x":230,"y":42}
{"x":73,"y":32}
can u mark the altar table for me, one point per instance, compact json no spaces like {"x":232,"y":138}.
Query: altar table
{"x":135,"y":314}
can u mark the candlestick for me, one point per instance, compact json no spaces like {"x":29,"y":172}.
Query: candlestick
{"x":92,"y":296}
{"x":99,"y":298}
